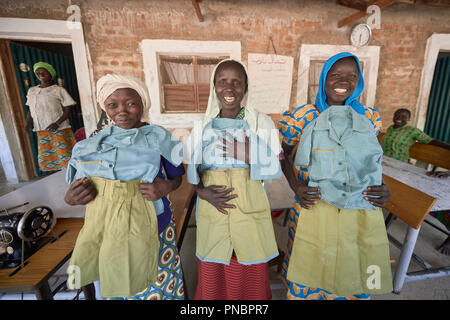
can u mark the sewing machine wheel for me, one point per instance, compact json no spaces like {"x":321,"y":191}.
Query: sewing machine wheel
{"x":36,"y":223}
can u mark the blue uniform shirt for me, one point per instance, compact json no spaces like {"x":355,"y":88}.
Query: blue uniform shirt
{"x":343,"y":155}
{"x":264,"y":164}
{"x":125,"y":155}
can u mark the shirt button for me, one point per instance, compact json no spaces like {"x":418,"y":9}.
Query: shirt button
{"x":110,"y":165}
{"x":343,"y":195}
{"x":340,"y":163}
{"x":344,"y":184}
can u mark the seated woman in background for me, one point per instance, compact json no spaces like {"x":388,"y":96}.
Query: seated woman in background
{"x":399,"y":137}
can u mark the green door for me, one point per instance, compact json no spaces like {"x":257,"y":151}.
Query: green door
{"x":437,"y":124}
{"x":24,"y":57}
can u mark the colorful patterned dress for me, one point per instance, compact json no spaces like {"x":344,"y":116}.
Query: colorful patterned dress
{"x":291,"y":126}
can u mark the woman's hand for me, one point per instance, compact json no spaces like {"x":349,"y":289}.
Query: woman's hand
{"x":80,"y":192}
{"x":218,"y":196}
{"x":235,"y":149}
{"x":52,"y":127}
{"x":307,"y":196}
{"x":383,"y":194}
{"x":28,"y":123}
{"x":155,"y":190}
{"x":27,"y":127}
{"x":438,"y":174}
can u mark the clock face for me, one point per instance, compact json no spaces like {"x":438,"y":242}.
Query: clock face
{"x":361,"y":35}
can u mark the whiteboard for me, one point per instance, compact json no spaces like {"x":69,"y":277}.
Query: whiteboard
{"x":270,"y":81}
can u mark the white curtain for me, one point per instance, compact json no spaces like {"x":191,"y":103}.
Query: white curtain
{"x":179,"y":73}
{"x":204,"y":72}
{"x":183,"y":73}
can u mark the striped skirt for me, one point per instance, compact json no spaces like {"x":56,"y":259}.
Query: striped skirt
{"x":235,"y":281}
{"x":54,"y":149}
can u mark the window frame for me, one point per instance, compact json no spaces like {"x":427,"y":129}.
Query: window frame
{"x":151,"y":50}
{"x":196,"y":84}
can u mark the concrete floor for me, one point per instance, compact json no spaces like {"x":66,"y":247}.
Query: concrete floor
{"x":429,"y":238}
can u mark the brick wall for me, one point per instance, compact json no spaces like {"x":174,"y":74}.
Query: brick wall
{"x":113,"y":31}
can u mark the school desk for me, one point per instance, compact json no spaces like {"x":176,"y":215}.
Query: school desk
{"x":414,"y":195}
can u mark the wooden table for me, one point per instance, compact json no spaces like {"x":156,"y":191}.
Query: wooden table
{"x":33,"y":277}
{"x":439,"y":189}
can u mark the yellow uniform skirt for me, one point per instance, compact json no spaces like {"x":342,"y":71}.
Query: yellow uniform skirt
{"x":118,"y":243}
{"x":342,"y":251}
{"x":247,"y":229}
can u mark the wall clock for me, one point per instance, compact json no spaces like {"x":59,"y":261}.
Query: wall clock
{"x":361,"y":35}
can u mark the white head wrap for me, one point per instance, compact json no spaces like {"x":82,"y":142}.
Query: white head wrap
{"x":109,"y":83}
{"x":259,"y":123}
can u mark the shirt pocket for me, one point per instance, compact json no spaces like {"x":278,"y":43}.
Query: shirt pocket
{"x":88,"y":168}
{"x":322,"y":164}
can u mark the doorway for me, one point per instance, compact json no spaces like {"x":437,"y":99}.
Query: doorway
{"x":19,"y":58}
{"x":438,"y":111}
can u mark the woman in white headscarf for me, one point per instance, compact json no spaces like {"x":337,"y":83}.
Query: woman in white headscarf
{"x":137,"y":154}
{"x":231,"y":155}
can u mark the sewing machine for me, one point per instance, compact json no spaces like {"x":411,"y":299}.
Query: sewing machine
{"x":23,"y":233}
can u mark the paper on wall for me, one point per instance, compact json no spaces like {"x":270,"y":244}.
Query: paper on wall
{"x":270,"y":78}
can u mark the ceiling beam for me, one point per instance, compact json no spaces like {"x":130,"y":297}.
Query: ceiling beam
{"x":198,"y":11}
{"x":360,"y":14}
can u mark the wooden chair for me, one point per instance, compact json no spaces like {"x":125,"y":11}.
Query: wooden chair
{"x":427,"y":153}
{"x":433,"y":155}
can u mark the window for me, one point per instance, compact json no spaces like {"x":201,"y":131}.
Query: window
{"x":185,"y":82}
{"x":177,"y":75}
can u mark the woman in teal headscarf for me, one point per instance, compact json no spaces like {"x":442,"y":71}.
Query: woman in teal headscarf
{"x":48,"y":116}
{"x":341,"y":83}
